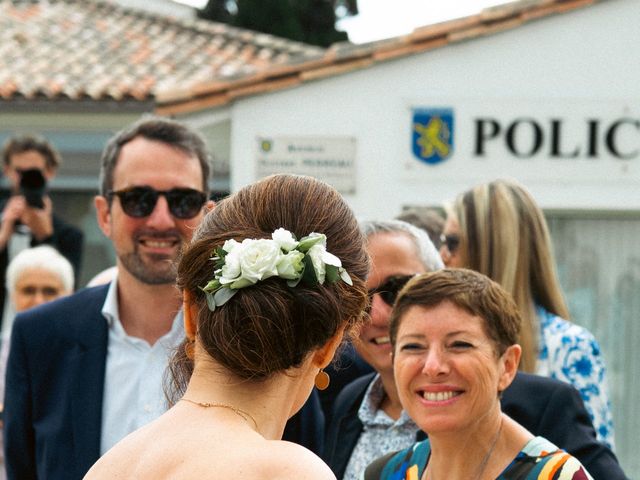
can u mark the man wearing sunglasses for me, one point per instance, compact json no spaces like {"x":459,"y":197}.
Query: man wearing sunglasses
{"x":86,"y":371}
{"x":368,"y":420}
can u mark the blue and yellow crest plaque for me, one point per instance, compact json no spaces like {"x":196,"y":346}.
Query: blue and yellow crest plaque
{"x":432,"y":134}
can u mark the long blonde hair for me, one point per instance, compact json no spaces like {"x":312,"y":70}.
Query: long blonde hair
{"x":504,"y":235}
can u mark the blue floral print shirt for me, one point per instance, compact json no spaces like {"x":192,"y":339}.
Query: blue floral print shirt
{"x":570,"y":353}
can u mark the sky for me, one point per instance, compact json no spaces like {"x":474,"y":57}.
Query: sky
{"x":377,"y":20}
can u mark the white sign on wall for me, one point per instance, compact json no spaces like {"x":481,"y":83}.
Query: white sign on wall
{"x":327,"y":158}
{"x":577,"y":140}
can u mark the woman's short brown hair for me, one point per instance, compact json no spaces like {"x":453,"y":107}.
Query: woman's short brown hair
{"x":270,"y":327}
{"x":468,"y":290}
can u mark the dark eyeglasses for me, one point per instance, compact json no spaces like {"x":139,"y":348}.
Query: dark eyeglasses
{"x":388,"y":290}
{"x":452,"y":242}
{"x":139,"y":202}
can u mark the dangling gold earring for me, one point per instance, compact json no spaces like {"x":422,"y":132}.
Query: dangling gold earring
{"x":322,"y":380}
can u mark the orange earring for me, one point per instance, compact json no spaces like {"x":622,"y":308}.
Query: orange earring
{"x":322,"y":380}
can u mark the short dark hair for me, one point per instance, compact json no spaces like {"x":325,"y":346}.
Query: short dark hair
{"x":159,"y":129}
{"x":271,"y":327}
{"x":468,"y":290}
{"x":27,"y":143}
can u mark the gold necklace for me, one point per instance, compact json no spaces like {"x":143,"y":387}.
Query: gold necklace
{"x":483,"y":464}
{"x":246,"y":416}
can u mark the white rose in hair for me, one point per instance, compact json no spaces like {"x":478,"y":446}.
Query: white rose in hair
{"x":290,"y":265}
{"x":284,"y":238}
{"x":244,"y":264}
{"x":258,"y":261}
{"x":229,"y":245}
{"x":231,"y":268}
{"x":319,"y":258}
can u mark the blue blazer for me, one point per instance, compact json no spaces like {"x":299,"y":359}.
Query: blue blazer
{"x":54,"y":388}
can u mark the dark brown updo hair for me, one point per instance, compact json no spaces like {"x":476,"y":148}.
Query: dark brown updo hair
{"x":270,"y":327}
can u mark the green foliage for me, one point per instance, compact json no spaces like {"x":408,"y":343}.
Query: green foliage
{"x":308,"y":21}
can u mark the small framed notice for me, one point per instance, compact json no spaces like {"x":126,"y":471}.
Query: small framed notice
{"x":327,"y":158}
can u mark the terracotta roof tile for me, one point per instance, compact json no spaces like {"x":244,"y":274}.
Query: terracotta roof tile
{"x":96,"y":49}
{"x":345,"y":57}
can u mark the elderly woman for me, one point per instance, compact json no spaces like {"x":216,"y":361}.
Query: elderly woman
{"x":454,"y":345}
{"x":270,"y":282}
{"x":35,"y":276}
{"x":497,"y":229}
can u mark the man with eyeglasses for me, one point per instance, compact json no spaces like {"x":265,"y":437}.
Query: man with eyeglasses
{"x":85,"y":371}
{"x":368,"y":421}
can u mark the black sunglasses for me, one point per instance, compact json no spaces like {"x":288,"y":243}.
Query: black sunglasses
{"x":388,"y":290}
{"x":139,"y":202}
{"x":452,"y":241}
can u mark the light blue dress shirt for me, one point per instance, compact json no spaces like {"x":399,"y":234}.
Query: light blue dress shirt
{"x":133,"y":393}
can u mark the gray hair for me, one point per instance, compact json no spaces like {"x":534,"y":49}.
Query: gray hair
{"x":44,"y":257}
{"x":427,"y":253}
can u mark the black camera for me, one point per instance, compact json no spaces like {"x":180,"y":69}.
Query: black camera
{"x":33,"y":186}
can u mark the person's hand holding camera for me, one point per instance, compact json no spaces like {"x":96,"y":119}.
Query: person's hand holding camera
{"x":39,"y":220}
{"x":13,"y":211}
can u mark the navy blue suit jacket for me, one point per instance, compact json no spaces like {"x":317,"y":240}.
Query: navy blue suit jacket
{"x":545,"y":407}
{"x":54,"y":388}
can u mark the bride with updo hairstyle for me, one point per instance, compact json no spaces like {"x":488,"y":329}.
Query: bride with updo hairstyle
{"x":272,"y":280}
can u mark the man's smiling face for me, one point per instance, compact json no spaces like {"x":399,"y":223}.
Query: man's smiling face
{"x":147,"y":247}
{"x":392,"y":254}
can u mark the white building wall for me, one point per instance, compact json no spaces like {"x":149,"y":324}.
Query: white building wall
{"x":583,"y":57}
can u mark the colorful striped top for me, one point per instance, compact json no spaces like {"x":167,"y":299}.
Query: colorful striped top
{"x":538,"y":460}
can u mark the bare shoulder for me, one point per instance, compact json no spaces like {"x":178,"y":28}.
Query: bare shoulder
{"x":137,"y":452}
{"x":207,"y":454}
{"x":289,"y":460}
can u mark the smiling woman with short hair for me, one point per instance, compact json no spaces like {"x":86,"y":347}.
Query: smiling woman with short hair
{"x":454,"y":346}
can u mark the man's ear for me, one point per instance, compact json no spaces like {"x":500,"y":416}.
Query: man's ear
{"x":49,"y":173}
{"x":510,"y":360}
{"x":103,"y":214}
{"x":190,"y":315}
{"x":323,"y":356}
{"x":210,"y":205}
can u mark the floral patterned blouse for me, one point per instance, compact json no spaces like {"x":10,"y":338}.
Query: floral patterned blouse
{"x":538,"y":460}
{"x":570,"y":353}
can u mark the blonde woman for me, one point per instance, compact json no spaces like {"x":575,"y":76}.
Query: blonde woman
{"x":497,"y":229}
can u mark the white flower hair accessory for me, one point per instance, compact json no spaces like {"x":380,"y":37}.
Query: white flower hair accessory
{"x":242,"y":264}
